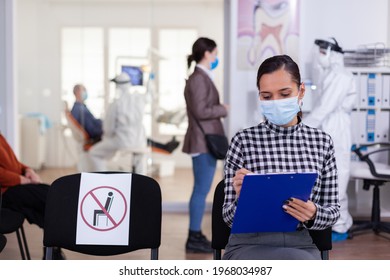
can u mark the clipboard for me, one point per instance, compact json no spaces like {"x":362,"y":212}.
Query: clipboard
{"x":259,"y":207}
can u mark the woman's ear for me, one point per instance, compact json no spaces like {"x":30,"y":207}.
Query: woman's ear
{"x":207,"y":54}
{"x":301,"y":92}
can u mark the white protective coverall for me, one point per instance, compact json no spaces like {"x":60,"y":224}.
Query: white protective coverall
{"x":122,"y":129}
{"x":331,"y":113}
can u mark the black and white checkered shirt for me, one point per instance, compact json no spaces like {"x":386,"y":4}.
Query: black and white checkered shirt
{"x":268,"y":148}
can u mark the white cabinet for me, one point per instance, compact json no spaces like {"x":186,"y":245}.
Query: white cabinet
{"x":32,"y":142}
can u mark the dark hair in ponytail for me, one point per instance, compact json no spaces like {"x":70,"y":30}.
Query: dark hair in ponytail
{"x":200,"y":46}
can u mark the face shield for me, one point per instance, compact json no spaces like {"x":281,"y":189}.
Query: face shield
{"x":324,"y":49}
{"x":319,"y":61}
{"x":122,"y":84}
{"x":324,"y":44}
{"x":322,"y":57}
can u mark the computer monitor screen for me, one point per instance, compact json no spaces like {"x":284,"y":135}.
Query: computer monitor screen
{"x":135,"y":73}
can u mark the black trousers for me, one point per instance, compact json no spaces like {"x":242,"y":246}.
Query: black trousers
{"x":29,"y":199}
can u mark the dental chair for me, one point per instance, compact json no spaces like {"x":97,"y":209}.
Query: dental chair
{"x":78,"y":132}
{"x":81,"y":137}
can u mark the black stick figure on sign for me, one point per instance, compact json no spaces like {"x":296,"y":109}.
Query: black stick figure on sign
{"x":99,"y":212}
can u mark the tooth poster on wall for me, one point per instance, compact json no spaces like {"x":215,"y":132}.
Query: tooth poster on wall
{"x":266,"y":28}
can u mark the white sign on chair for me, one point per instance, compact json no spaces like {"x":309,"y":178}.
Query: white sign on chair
{"x":103,"y":210}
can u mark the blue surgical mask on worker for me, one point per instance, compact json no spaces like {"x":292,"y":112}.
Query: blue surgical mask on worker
{"x":281,"y":111}
{"x":85,"y":95}
{"x":214,"y":64}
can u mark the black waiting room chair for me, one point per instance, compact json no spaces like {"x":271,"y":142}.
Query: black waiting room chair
{"x":144,"y":226}
{"x":220,"y":232}
{"x":12,"y":221}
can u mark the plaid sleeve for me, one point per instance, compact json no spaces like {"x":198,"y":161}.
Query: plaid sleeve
{"x":233,"y":162}
{"x":325,"y":195}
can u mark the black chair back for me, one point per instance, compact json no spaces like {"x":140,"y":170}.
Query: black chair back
{"x":145,"y":217}
{"x":220,"y":231}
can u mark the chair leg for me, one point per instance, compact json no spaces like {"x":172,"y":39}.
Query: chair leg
{"x":48,"y":253}
{"x":375,"y":223}
{"x":376,"y":210}
{"x":154,"y":254}
{"x":27,"y":251}
{"x":360,"y":226}
{"x":20,"y":245}
{"x":217,"y":254}
{"x":23,"y":246}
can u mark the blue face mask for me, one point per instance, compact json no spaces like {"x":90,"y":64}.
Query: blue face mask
{"x":280,"y":112}
{"x":85,"y":95}
{"x":214,"y":64}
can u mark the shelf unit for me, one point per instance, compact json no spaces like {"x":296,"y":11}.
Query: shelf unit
{"x":371,"y":117}
{"x":370,"y":123}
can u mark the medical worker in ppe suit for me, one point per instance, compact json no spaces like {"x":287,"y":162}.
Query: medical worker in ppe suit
{"x":122,"y":128}
{"x":331,"y":113}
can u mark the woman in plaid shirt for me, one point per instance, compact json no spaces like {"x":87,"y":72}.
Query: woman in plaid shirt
{"x":282,"y":143}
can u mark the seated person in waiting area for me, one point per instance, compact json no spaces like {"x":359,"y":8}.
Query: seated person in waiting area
{"x":84,"y":117}
{"x":22,"y":189}
{"x":280,"y":144}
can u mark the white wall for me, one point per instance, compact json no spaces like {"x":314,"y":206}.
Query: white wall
{"x":2,"y":65}
{"x":8,"y":100}
{"x":40,"y":22}
{"x":388,"y":24}
{"x":240,"y":83}
{"x":351,"y":22}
